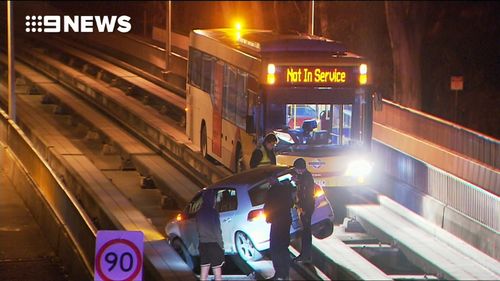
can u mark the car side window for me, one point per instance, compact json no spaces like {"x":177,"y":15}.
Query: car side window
{"x":226,"y":200}
{"x":258,"y":193}
{"x":194,"y":206}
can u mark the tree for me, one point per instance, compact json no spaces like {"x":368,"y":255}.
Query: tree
{"x":290,"y":15}
{"x":323,"y":19}
{"x":406,"y":23}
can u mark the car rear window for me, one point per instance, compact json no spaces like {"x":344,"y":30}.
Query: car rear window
{"x":258,"y":194}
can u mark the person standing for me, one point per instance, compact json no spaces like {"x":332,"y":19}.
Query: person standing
{"x":277,"y":207}
{"x":305,"y":204}
{"x":211,"y":246}
{"x":264,"y":155}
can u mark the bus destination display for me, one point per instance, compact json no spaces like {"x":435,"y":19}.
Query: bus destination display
{"x":327,"y":76}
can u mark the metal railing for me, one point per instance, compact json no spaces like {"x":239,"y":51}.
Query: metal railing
{"x":471,"y":144}
{"x":465,"y":197}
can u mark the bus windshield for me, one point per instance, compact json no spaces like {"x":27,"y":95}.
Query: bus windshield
{"x":317,"y":124}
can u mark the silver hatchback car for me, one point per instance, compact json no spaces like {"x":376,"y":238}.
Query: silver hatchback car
{"x":240,"y":201}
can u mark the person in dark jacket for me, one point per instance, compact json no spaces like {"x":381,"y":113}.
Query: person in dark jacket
{"x":277,"y":207}
{"x":305,"y":203}
{"x":264,"y":155}
{"x":211,"y":246}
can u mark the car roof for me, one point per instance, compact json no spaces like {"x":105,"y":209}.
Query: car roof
{"x":250,"y":177}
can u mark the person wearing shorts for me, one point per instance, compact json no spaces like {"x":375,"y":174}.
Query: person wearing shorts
{"x":211,"y":246}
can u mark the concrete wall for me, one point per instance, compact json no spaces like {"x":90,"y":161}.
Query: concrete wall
{"x":49,"y":205}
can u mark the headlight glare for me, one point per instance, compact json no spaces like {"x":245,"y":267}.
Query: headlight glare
{"x":359,"y":168}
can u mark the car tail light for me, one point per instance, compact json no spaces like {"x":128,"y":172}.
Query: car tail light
{"x":256,"y":215}
{"x":318,"y":191}
{"x":179,"y":217}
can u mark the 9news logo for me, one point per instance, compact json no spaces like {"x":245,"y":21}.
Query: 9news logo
{"x":56,"y":24}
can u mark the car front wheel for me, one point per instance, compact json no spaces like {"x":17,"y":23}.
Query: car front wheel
{"x":183,"y":252}
{"x":245,"y":248}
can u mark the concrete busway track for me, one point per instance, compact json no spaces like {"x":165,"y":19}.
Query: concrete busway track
{"x":432,"y":248}
{"x":144,"y":119}
{"x":76,"y":161}
{"x":38,"y":58}
{"x":101,"y":201}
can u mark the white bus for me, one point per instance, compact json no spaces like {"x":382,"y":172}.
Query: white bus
{"x":310,"y":91}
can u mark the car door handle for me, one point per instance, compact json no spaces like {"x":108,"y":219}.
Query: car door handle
{"x":226,"y":220}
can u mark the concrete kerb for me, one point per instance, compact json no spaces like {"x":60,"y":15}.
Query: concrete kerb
{"x":473,"y":232}
{"x":443,"y":235}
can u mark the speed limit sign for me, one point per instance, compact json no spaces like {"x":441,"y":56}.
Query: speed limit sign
{"x":118,"y":255}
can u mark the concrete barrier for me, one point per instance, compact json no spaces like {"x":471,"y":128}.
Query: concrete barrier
{"x":68,"y":229}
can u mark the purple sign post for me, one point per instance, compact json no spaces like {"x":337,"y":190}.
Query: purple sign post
{"x":118,"y":255}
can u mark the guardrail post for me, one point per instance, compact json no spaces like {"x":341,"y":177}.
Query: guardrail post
{"x":168,"y":30}
{"x":12,"y":72}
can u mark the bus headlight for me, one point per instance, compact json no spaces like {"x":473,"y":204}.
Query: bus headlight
{"x":359,"y":169}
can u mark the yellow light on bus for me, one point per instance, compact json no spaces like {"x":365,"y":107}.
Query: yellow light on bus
{"x":363,"y":79}
{"x":271,"y":70}
{"x":271,"y":79}
{"x":238,"y":26}
{"x":363,"y":74}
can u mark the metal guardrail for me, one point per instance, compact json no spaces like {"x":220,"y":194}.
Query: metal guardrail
{"x":474,"y":145}
{"x":465,"y":197}
{"x":71,"y":220}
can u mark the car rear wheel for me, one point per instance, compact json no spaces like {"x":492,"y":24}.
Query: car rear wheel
{"x":183,"y":252}
{"x":325,"y":230}
{"x":245,"y":248}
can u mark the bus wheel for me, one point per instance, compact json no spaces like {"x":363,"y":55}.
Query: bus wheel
{"x":239,"y":165}
{"x":203,"y":141}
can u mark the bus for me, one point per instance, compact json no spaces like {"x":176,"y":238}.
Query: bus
{"x":310,"y":91}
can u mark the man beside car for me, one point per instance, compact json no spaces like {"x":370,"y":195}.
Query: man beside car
{"x":211,"y":245}
{"x":277,"y":207}
{"x":305,"y":203}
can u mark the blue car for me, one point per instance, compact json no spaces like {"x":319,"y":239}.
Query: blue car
{"x":240,"y":202}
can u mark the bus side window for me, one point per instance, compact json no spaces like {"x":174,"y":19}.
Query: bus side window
{"x":252,"y":88}
{"x":229,"y":94}
{"x":195,"y":67}
{"x":241,"y":100}
{"x":207,"y":73}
